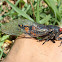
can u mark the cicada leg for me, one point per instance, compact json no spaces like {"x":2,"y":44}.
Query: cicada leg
{"x":59,"y":38}
{"x":49,"y":37}
{"x":46,"y":38}
{"x":53,"y":41}
{"x":60,"y":44}
{"x":45,"y":41}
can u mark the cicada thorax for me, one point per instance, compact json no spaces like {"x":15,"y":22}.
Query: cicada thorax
{"x":35,"y":31}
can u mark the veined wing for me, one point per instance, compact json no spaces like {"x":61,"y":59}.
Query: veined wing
{"x":12,"y":27}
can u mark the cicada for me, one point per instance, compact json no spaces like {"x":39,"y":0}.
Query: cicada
{"x":45,"y":32}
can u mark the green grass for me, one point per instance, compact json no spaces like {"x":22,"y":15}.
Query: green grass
{"x":2,"y":39}
{"x":38,"y":15}
{"x":20,"y":12}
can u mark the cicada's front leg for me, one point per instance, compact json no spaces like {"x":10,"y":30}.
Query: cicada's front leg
{"x":59,"y":38}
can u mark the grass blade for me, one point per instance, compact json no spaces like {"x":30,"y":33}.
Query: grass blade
{"x":45,"y":20}
{"x":51,"y":4}
{"x":37,"y":17}
{"x":20,"y":12}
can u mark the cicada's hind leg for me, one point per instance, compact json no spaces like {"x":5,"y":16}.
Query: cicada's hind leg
{"x":45,"y":41}
{"x":47,"y":38}
{"x":60,"y":44}
{"x":60,"y":38}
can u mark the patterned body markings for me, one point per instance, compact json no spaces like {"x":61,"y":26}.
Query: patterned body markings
{"x":34,"y":31}
{"x":29,"y":29}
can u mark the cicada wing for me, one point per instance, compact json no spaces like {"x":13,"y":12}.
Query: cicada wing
{"x":27,"y":22}
{"x":34,"y":29}
{"x":11,"y":28}
{"x":38,"y":33}
{"x":41,"y":30}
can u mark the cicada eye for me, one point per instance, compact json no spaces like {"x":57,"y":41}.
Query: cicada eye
{"x":60,"y":29}
{"x":20,"y":26}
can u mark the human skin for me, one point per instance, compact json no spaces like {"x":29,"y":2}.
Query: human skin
{"x":29,"y":50}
